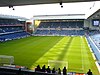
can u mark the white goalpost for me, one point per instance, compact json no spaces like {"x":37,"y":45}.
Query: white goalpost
{"x":57,"y":64}
{"x":6,"y":60}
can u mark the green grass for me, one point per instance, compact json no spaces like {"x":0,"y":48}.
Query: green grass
{"x":36,"y":50}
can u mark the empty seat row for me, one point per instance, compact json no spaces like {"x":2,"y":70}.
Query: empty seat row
{"x":94,"y":49}
{"x":61,"y":25}
{"x":10,"y":29}
{"x":9,"y":22}
{"x":60,"y":32}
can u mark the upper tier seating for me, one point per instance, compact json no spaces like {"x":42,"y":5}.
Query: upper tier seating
{"x":61,"y":25}
{"x":10,"y":29}
{"x":8,"y":22}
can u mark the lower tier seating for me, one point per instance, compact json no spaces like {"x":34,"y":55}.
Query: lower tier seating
{"x":12,"y":36}
{"x":94,"y":48}
{"x":59,"y":32}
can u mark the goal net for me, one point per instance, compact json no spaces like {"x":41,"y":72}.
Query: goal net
{"x":57,"y":64}
{"x":6,"y":59}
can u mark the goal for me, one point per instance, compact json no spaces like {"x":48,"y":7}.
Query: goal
{"x":57,"y":64}
{"x":6,"y":60}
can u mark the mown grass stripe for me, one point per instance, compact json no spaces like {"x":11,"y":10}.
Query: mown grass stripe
{"x":52,"y":53}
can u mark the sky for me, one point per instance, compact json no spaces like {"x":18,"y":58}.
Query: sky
{"x":29,"y":11}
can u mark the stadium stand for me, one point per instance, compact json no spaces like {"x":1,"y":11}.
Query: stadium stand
{"x":12,"y":29}
{"x":61,"y":24}
{"x":95,"y":36}
{"x":96,"y":39}
{"x":94,"y":48}
{"x":12,"y":36}
{"x":60,"y":28}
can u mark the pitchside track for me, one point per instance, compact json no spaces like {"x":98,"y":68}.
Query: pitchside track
{"x":70,"y":51}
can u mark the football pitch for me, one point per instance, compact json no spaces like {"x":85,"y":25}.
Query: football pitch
{"x":70,"y":51}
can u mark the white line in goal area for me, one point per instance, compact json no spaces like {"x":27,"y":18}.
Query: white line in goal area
{"x":58,"y":64}
{"x":4,"y":59}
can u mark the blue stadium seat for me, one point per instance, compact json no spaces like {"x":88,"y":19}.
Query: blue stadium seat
{"x":94,"y":49}
{"x":59,"y":28}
